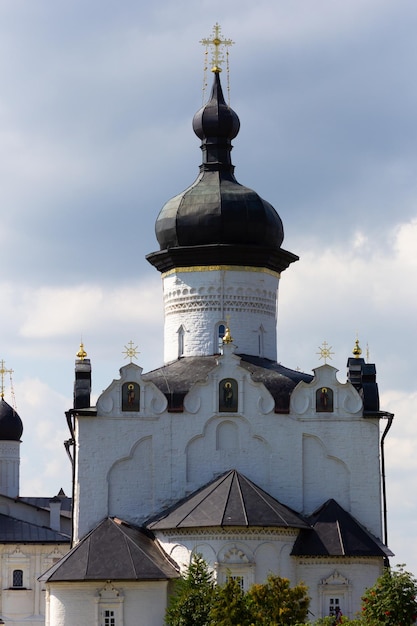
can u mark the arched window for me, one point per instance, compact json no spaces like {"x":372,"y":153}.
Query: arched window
{"x":221,"y":330}
{"x":17,"y":578}
{"x":181,"y":334}
{"x":261,"y":333}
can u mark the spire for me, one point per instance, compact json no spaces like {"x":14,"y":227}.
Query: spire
{"x":216,"y":124}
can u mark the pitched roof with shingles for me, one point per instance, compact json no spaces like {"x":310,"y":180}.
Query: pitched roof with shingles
{"x":175,"y":379}
{"x":334,"y":532}
{"x":16,"y":531}
{"x":231,"y":500}
{"x":114,"y":550}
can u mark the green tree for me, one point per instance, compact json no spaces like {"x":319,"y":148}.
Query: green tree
{"x":392,"y":600}
{"x":231,"y":606}
{"x":275,"y":603}
{"x":193,"y":596}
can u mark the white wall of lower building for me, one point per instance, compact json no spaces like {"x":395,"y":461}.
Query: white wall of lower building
{"x":86,"y":603}
{"x":25,"y":605}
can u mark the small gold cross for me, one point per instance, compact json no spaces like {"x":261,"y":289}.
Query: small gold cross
{"x":131,"y":351}
{"x":325,"y":351}
{"x":3,"y":371}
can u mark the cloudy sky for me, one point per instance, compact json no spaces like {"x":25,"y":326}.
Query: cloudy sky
{"x":96,"y":102}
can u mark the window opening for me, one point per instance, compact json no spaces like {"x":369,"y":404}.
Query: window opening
{"x":181,"y":334}
{"x":335,"y":610}
{"x":109,"y":618}
{"x":238,"y":579}
{"x":221,"y":331}
{"x":17,"y":578}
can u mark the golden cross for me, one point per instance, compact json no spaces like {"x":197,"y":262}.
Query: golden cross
{"x":131,"y":351}
{"x":216,"y":41}
{"x":3,"y":371}
{"x":325,"y":351}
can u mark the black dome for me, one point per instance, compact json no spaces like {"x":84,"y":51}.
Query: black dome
{"x":11,"y":426}
{"x":216,"y":219}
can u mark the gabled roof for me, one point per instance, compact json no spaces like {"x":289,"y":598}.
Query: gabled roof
{"x":175,"y":379}
{"x":114,"y":550}
{"x":336,"y":533}
{"x":13,"y":530}
{"x":231,"y":500}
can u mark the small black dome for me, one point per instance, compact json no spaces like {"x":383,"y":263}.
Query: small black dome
{"x":11,"y":426}
{"x":216,"y":219}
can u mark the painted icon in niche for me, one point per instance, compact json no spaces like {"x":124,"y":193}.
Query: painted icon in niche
{"x":130,"y":397}
{"x":324,"y":400}
{"x":228,"y":395}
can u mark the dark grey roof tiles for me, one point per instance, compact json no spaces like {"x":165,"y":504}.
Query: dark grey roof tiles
{"x":231,"y":500}
{"x":335,"y":532}
{"x":114,"y":550}
{"x":175,"y":379}
{"x":16,"y":531}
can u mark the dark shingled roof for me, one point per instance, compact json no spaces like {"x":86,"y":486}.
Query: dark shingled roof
{"x":42,"y":502}
{"x":176,"y":379}
{"x":231,"y":500}
{"x":114,"y":550}
{"x":336,"y":533}
{"x":16,"y":531}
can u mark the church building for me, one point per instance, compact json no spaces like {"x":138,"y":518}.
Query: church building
{"x":222,"y":450}
{"x":35,"y":532}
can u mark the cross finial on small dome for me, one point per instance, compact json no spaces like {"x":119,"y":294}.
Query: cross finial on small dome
{"x":357,"y":350}
{"x":216,"y":41}
{"x":3,"y":371}
{"x":81,"y":354}
{"x":227,"y":334}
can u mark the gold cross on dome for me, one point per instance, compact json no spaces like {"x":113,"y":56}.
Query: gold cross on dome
{"x":131,"y":351}
{"x":3,"y":371}
{"x":325,"y":351}
{"x":216,"y":41}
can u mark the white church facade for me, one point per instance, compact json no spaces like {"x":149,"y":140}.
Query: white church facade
{"x":222,"y":450}
{"x":35,"y":532}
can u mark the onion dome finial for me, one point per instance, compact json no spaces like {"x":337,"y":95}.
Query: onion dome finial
{"x":357,"y":350}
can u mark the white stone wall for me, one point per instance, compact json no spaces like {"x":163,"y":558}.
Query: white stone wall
{"x":255,"y":553}
{"x":342,"y":579}
{"x":82,"y":604}
{"x":197,"y":301}
{"x":26,"y":606}
{"x":135,"y":465}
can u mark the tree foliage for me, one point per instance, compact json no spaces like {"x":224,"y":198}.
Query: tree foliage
{"x":193,"y":596}
{"x":275,"y":603}
{"x":230,"y":607}
{"x":197,"y":601}
{"x":392,"y":600}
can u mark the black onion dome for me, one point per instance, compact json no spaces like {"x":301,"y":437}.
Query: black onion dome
{"x":11,"y":426}
{"x":216,"y":219}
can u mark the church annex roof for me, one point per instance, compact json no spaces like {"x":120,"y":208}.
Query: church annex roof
{"x":231,"y":500}
{"x":114,"y":550}
{"x":334,"y":532}
{"x":13,"y":530}
{"x":175,"y":379}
